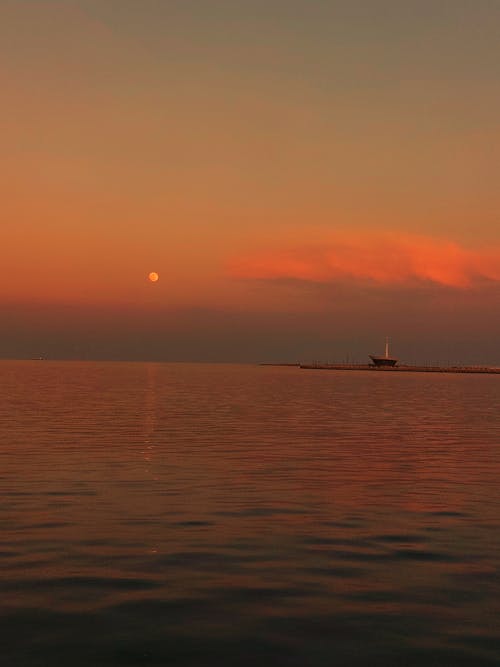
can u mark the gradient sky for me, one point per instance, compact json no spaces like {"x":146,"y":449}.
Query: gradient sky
{"x":306,"y":176}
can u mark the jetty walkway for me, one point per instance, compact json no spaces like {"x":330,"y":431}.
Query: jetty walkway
{"x":402,"y":368}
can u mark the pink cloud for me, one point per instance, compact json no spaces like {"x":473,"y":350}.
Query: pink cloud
{"x":382,"y":258}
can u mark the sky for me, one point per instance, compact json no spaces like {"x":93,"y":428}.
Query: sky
{"x":306,"y":177}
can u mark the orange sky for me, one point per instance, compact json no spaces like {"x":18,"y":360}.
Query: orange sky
{"x":258,"y":158}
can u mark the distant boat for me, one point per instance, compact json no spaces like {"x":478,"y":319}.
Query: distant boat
{"x":385,"y":360}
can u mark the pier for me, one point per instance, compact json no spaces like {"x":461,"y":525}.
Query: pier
{"x":402,"y":368}
{"x":387,"y":364}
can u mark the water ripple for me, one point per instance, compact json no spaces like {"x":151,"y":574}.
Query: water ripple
{"x":228,"y":515}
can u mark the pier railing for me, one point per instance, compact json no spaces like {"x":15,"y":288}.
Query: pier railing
{"x":421,"y":368}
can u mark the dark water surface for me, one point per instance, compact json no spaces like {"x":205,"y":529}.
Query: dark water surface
{"x":169,"y":514}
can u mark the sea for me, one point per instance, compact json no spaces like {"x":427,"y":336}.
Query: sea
{"x":235,"y":515}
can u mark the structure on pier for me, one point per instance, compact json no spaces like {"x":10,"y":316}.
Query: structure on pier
{"x":385,"y":360}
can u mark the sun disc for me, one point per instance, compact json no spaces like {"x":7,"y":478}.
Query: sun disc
{"x":153,"y":277}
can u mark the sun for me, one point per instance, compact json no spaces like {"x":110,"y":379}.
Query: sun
{"x":153,"y":277}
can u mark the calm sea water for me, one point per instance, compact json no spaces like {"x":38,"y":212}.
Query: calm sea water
{"x":176,"y":514}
